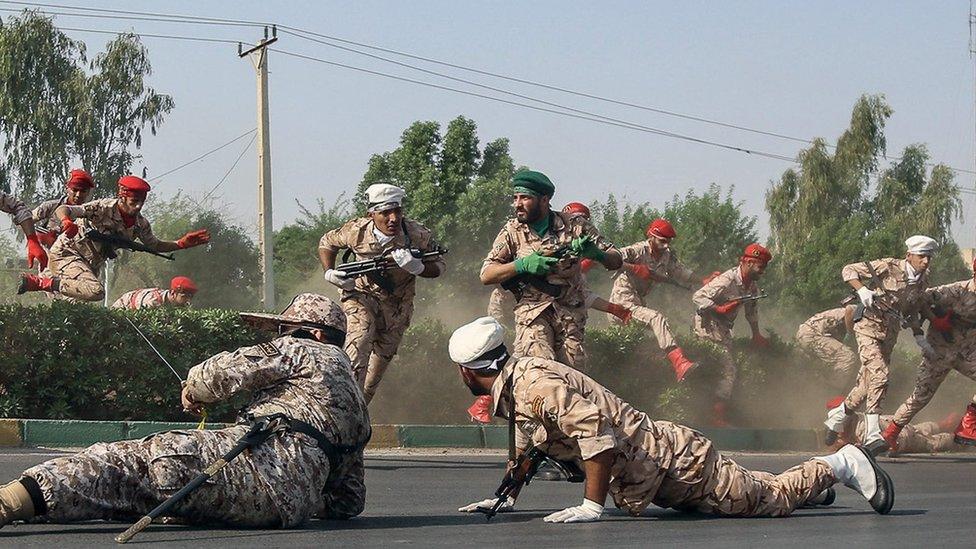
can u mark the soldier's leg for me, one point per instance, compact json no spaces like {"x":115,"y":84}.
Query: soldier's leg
{"x":729,"y":371}
{"x":349,"y":498}
{"x":623,"y":294}
{"x":77,"y":280}
{"x":360,"y":331}
{"x":568,"y":333}
{"x":927,"y":382}
{"x":392,"y":322}
{"x":743,"y":493}
{"x":657,"y":324}
{"x":536,"y":337}
{"x":873,"y":376}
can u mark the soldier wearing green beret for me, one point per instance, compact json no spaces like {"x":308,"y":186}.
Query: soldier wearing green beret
{"x":549,"y":317}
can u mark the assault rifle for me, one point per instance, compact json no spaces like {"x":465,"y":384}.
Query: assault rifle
{"x":667,"y":279}
{"x":110,"y":242}
{"x":384,"y":262}
{"x":522,"y":472}
{"x":519,"y":283}
{"x":749,"y":297}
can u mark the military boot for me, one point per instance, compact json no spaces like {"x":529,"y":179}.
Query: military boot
{"x":856,"y":468}
{"x":680,"y":364}
{"x":34,"y":283}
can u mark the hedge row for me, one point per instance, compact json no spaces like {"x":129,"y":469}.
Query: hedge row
{"x":84,"y":362}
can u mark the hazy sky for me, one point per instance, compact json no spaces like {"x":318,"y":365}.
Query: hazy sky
{"x":789,"y":67}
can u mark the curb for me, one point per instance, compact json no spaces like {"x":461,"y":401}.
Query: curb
{"x":73,"y":433}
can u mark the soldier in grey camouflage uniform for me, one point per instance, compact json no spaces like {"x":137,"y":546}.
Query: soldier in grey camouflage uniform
{"x":282,"y":482}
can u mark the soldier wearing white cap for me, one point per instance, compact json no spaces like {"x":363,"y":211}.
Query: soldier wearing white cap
{"x":638,"y":461}
{"x":892,"y":293}
{"x":378,"y":306}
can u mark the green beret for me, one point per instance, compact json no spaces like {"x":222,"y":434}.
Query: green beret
{"x":534,"y":183}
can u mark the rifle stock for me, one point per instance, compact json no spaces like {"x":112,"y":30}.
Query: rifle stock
{"x":112,"y":242}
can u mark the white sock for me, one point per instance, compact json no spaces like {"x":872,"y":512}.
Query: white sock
{"x":872,"y":427}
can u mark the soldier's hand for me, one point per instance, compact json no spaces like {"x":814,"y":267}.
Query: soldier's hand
{"x":942,"y":324}
{"x":727,"y":307}
{"x":35,"y":252}
{"x":338,"y":279}
{"x":486,"y":504}
{"x":188,"y":404}
{"x":588,"y":511}
{"x":406,"y":261}
{"x":866,"y":296}
{"x":586,"y":265}
{"x":584,"y":246}
{"x":535,"y":264}
{"x":194,"y":238}
{"x":68,"y":227}
{"x":47,"y":237}
{"x":639,"y":270}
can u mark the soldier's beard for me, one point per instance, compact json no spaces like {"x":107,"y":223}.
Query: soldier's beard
{"x":529,"y":216}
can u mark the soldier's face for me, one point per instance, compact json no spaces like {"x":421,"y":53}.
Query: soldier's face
{"x":528,"y":208}
{"x":753,"y":269}
{"x":180,"y":299}
{"x":388,"y":221}
{"x":77,"y":197}
{"x":918,"y":262}
{"x":473,"y":382}
{"x":131,"y":205}
{"x":659,"y":243}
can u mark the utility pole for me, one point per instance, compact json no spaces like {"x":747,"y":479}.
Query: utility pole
{"x":259,"y":57}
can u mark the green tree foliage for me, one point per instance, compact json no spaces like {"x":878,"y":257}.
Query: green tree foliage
{"x":58,"y":111}
{"x":296,"y":260}
{"x":226,"y":270}
{"x":826,"y":213}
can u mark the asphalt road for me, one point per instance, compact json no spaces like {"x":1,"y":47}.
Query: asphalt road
{"x":412,"y":501}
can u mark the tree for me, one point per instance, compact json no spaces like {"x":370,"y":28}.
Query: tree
{"x":826,"y":214}
{"x":53,"y":113}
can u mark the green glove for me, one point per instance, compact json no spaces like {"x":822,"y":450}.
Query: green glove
{"x":535,"y":264}
{"x":585,"y":247}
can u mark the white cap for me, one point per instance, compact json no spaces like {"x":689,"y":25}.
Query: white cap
{"x":475,"y":339}
{"x":383,"y":196}
{"x":921,"y":245}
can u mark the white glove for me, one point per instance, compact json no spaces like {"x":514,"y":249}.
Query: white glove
{"x":487,"y":504}
{"x":588,"y":511}
{"x":338,"y":279}
{"x":407,"y":261}
{"x":866,"y":295}
{"x":927,"y":350}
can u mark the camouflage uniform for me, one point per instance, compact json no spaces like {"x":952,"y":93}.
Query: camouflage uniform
{"x":146,"y":298}
{"x":78,"y":261}
{"x":571,"y":417}
{"x":43,"y":214}
{"x":377,"y":316}
{"x":283,"y":481}
{"x":630,"y":290}
{"x":546,"y":326}
{"x":718,"y":328}
{"x":822,"y":335}
{"x":877,"y":331}
{"x":918,"y":438}
{"x":17,"y":210}
{"x":955,"y":351}
{"x":499,"y":302}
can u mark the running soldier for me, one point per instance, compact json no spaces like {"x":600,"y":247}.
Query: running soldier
{"x":952,"y":335}
{"x":927,"y":437}
{"x":571,"y":417}
{"x":21,"y":216}
{"x":543,"y":248}
{"x":180,"y":294}
{"x":379,"y":306}
{"x":717,"y":305}
{"x":823,"y":335}
{"x":77,"y":260}
{"x":78,"y":188}
{"x":895,"y":299}
{"x":312,"y":468}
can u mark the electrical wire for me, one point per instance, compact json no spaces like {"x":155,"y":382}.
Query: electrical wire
{"x":204,"y":155}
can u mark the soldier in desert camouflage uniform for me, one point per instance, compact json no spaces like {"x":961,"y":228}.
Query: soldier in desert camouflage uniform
{"x":570,"y":417}
{"x":78,"y":188}
{"x":21,"y":216}
{"x":549,"y":326}
{"x":927,"y":437}
{"x":180,"y":294}
{"x":822,"y":335}
{"x":77,"y":260}
{"x":378,"y":307}
{"x":952,"y":335}
{"x":281,"y":482}
{"x":895,"y":297}
{"x":717,"y":306}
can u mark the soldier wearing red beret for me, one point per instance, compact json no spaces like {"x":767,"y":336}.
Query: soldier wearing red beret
{"x":77,"y":260}
{"x":180,"y":294}
{"x":78,"y":189}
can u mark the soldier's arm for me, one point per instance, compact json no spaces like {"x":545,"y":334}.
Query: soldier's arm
{"x":612,"y":259}
{"x":18,"y":212}
{"x":704,"y":297}
{"x":435,"y":266}
{"x":856,"y":273}
{"x":329,"y":246}
{"x":246,"y":369}
{"x":147,"y":237}
{"x":683,"y":274}
{"x":499,"y":266}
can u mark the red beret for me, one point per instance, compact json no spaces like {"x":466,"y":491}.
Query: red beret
{"x":79,"y":180}
{"x":576,"y":208}
{"x":134,"y":184}
{"x":661,"y":229}
{"x":757,"y":252}
{"x":182,"y":284}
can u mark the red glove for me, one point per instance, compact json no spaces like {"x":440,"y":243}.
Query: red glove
{"x":47,"y":237}
{"x":942,"y":324}
{"x":586,"y":264}
{"x":35,"y":251}
{"x":726,"y":308}
{"x":639,"y":270}
{"x":710,"y":277}
{"x":68,"y":227}
{"x":194,"y":238}
{"x":759,"y":341}
{"x":620,"y":312}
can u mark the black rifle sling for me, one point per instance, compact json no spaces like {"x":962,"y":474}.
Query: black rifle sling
{"x":510,"y":388}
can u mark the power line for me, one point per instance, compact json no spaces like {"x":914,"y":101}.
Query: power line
{"x":148,"y":35}
{"x":204,"y":155}
{"x":139,"y":16}
{"x":226,"y":175}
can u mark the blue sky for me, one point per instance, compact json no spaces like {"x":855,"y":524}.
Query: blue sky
{"x":790,"y":67}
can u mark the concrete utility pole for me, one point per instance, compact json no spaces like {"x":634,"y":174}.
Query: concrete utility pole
{"x":259,"y":57}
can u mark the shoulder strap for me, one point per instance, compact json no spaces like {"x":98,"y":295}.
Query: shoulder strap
{"x":509,"y":389}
